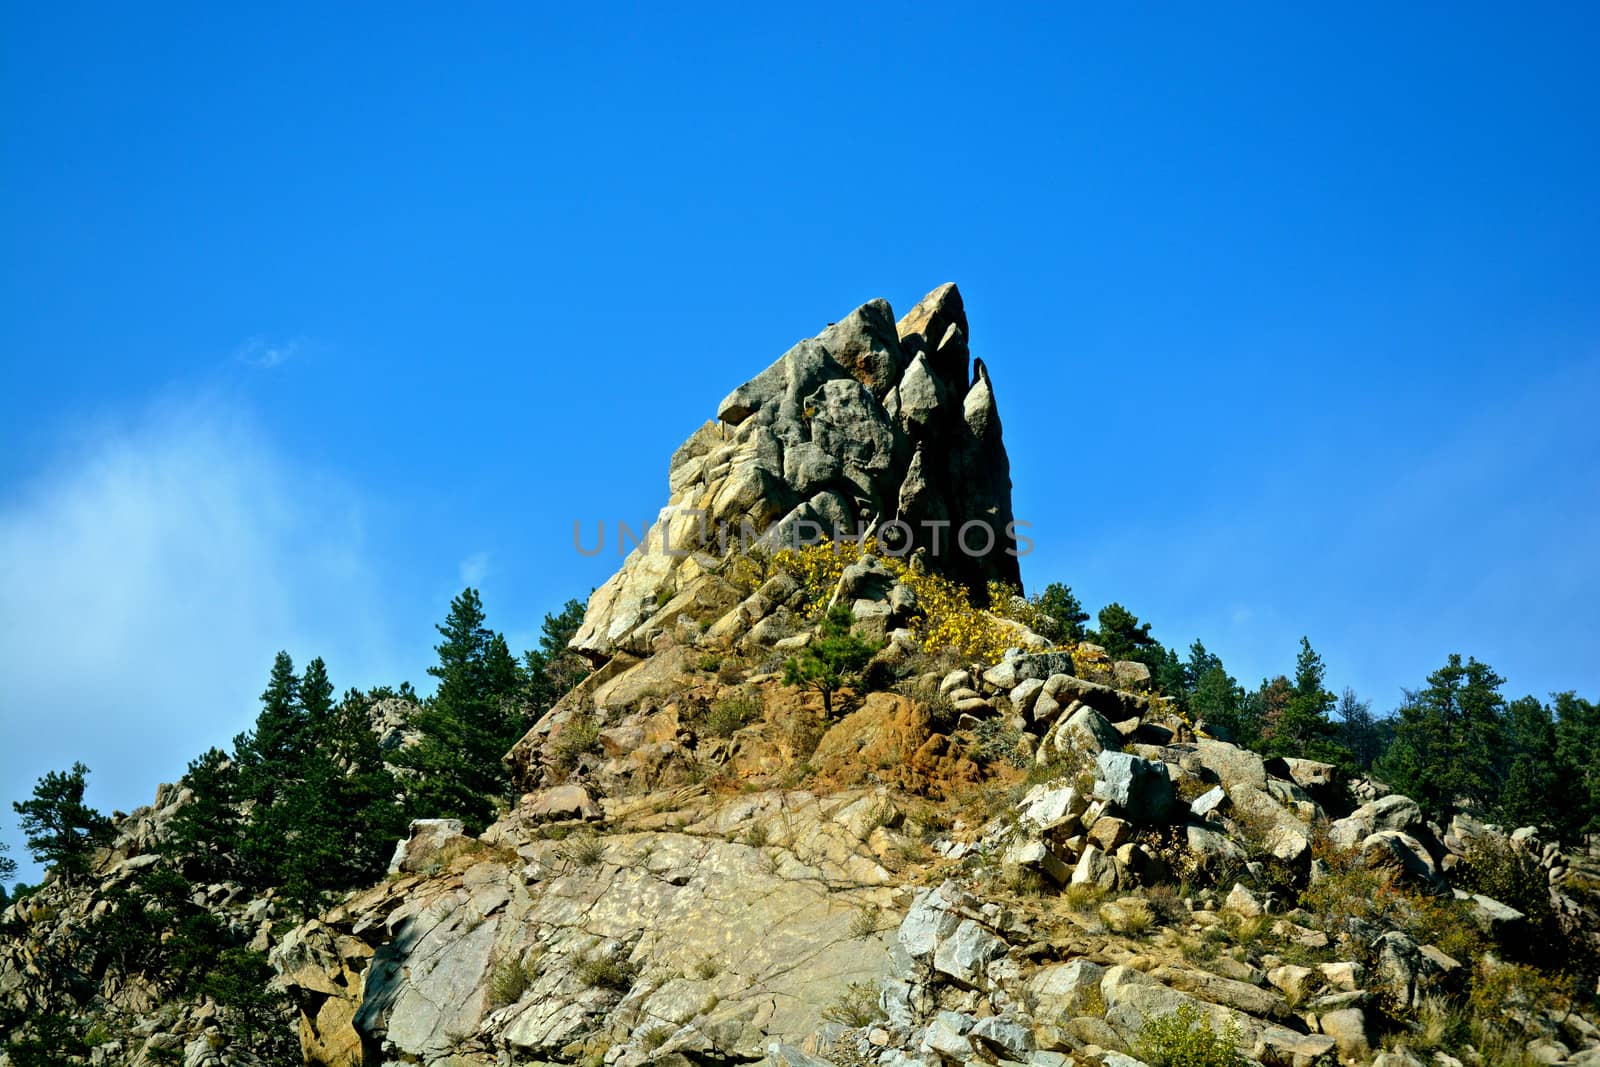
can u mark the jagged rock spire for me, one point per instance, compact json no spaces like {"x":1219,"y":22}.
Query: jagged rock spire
{"x":871,"y":426}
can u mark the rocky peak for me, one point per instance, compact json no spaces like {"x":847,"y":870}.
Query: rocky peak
{"x":871,"y":427}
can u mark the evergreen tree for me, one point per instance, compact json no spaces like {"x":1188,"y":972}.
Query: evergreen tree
{"x":1217,"y":702}
{"x":1058,"y":603}
{"x":470,"y":722}
{"x":8,"y":870}
{"x":1170,"y":675}
{"x":62,"y":830}
{"x":1122,"y":635}
{"x":1264,"y":710}
{"x":832,"y":657}
{"x":1357,"y":730}
{"x":1447,"y":738}
{"x":1578,"y":746}
{"x":273,"y":750}
{"x":553,"y":669}
{"x":316,"y":700}
{"x":1200,"y":663}
{"x":1303,"y":727}
{"x":205,"y":834}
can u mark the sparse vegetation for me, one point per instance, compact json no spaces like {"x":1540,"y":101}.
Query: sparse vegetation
{"x":576,"y":738}
{"x":732,"y":713}
{"x":604,"y":972}
{"x":509,"y":980}
{"x":864,"y":923}
{"x":582,"y":849}
{"x":1186,"y":1039}
{"x":857,"y":1006}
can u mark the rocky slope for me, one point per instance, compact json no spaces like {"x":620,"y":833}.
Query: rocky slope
{"x":1018,"y":857}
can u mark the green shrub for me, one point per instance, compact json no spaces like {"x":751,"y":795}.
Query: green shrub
{"x":1497,"y":867}
{"x":731,"y":713}
{"x":856,"y":1007}
{"x":1185,"y":1039}
{"x":509,"y":981}
{"x":655,"y":1037}
{"x":997,"y":740}
{"x":603,"y":972}
{"x":582,"y":850}
{"x":578,"y":736}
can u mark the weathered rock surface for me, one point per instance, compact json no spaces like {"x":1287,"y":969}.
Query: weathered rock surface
{"x":866,"y":424}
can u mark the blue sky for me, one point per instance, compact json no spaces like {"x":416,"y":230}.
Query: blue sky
{"x":309,"y":317}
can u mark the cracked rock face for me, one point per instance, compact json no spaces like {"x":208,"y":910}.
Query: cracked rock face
{"x":696,"y":932}
{"x":871,"y":426}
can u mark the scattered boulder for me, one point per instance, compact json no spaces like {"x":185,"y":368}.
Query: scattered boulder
{"x":428,"y":839}
{"x":1139,"y":788}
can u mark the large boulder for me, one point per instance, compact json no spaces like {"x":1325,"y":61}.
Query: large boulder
{"x":1139,"y":788}
{"x":1393,"y":812}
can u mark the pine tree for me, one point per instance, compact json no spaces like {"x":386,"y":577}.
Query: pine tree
{"x":553,"y":669}
{"x":1357,"y":730}
{"x":1058,"y":603}
{"x":1265,"y":708}
{"x":1448,"y":738}
{"x":832,"y":657}
{"x":8,"y":870}
{"x":1122,"y":635}
{"x":1578,"y":747}
{"x":205,"y":834}
{"x":470,"y":722}
{"x":316,"y":700}
{"x":1217,"y":702}
{"x":1303,"y":728}
{"x":273,"y":750}
{"x":62,"y":830}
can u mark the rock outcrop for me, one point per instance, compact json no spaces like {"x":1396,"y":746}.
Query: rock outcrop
{"x":870,"y":428}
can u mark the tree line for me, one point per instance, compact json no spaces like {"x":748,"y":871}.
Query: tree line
{"x":1454,"y":743}
{"x":304,"y":804}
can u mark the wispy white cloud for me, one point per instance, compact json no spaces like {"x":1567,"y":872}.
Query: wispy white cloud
{"x":145,"y":582}
{"x":263,"y":353}
{"x":474,"y":569}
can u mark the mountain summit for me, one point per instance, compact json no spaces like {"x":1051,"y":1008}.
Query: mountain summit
{"x":871,"y":428}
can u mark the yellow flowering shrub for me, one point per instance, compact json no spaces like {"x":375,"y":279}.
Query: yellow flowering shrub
{"x":818,"y":567}
{"x":1091,"y":663}
{"x":948,"y":619}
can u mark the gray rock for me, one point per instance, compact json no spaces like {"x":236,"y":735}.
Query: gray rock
{"x":1086,"y":731}
{"x":957,"y":679}
{"x":1036,"y":855}
{"x":1408,"y":971}
{"x":1209,"y":801}
{"x":1095,"y":868}
{"x":852,"y":427}
{"x":1348,"y":1027}
{"x":1063,"y":990}
{"x":781,"y":1055}
{"x":428,"y":837}
{"x":1233,"y":766}
{"x":1004,"y":1035}
{"x":947,"y":1037}
{"x":1138,"y":787}
{"x":561,"y":802}
{"x":931,"y":919}
{"x":1393,"y":812}
{"x":1002,"y":675}
{"x":1023,"y":695}
{"x":1400,"y":856}
{"x":964,"y":954}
